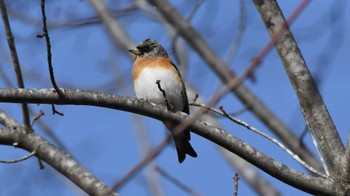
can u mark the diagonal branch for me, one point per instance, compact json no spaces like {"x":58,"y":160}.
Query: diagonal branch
{"x":315,"y":112}
{"x":16,"y":64}
{"x":314,"y":185}
{"x":56,"y":158}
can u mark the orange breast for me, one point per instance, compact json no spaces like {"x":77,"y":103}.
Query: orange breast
{"x":153,"y":62}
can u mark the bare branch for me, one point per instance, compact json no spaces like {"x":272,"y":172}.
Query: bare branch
{"x":37,"y":117}
{"x":54,"y":111}
{"x":304,"y":182}
{"x":315,"y":112}
{"x":273,"y":140}
{"x":235,"y":180}
{"x":20,"y":159}
{"x":15,"y":60}
{"x":56,"y":158}
{"x":7,"y":120}
{"x":164,"y":96}
{"x":49,"y":55}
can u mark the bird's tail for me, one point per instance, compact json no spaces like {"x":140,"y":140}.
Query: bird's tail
{"x":182,"y":142}
{"x":183,"y":147}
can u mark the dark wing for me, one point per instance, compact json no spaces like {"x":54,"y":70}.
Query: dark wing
{"x":186,"y":108}
{"x":183,"y":93}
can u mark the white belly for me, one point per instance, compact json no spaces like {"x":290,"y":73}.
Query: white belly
{"x":145,"y":87}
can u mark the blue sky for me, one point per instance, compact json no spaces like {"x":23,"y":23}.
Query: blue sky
{"x":105,"y":141}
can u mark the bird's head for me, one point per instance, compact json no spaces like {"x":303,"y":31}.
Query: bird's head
{"x":149,"y":48}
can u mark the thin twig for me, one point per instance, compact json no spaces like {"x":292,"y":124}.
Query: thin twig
{"x":302,"y":135}
{"x":195,"y":98}
{"x":194,"y":10}
{"x":41,"y":165}
{"x":49,"y":55}
{"x":170,"y":108}
{"x":49,"y":58}
{"x":175,"y":181}
{"x":19,"y":160}
{"x":273,"y":140}
{"x":15,"y":60}
{"x":54,"y":111}
{"x":235,"y":180}
{"x":319,"y":151}
{"x":255,"y":130}
{"x":238,"y":112}
{"x":35,"y":118}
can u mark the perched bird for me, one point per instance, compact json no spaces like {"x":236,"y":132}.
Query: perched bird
{"x":152,"y":64}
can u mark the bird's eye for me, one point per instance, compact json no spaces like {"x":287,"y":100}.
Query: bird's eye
{"x":145,"y":48}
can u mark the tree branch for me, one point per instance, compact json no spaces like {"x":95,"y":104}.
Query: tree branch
{"x":15,"y":60}
{"x":314,"y":110}
{"x":56,"y":158}
{"x":49,"y":56}
{"x":20,"y":159}
{"x":247,"y":172}
{"x":314,"y":185}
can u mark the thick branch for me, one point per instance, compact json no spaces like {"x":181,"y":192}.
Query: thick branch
{"x":226,"y":74}
{"x":290,"y":176}
{"x":56,"y":158}
{"x":315,"y":112}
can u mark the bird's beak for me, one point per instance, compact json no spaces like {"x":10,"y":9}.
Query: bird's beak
{"x":135,"y":51}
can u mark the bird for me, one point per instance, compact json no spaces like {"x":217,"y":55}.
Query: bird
{"x":152,"y":65}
